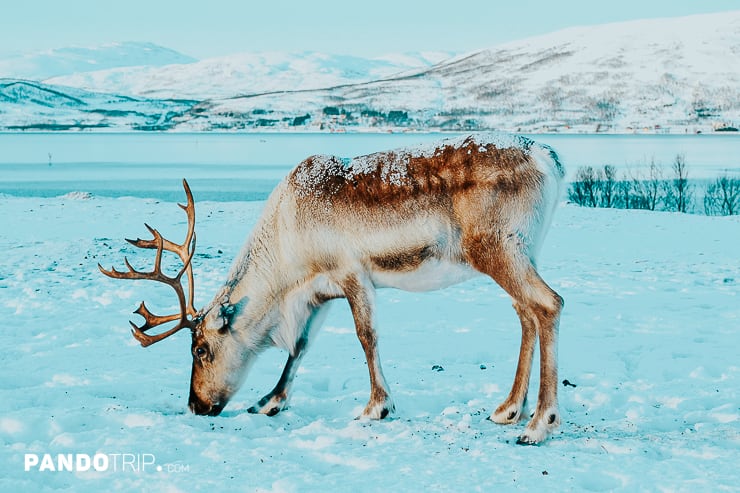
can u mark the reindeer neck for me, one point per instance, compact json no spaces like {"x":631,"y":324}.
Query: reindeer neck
{"x":255,"y":283}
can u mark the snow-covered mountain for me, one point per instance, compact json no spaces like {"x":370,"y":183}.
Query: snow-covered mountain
{"x":72,"y":60}
{"x":247,"y":74}
{"x":27,"y":105}
{"x":675,"y":74}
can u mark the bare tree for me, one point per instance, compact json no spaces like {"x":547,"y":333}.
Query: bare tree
{"x":624,"y":193}
{"x":678,"y":191}
{"x":646,"y":191}
{"x":552,"y":98}
{"x":576,"y":193}
{"x":653,"y":185}
{"x":722,"y":197}
{"x":639,"y":198}
{"x":595,"y":188}
{"x":638,"y":190}
{"x":608,"y":185}
{"x":607,"y":108}
{"x":583,"y":190}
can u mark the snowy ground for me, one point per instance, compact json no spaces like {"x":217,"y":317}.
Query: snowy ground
{"x":649,"y":336}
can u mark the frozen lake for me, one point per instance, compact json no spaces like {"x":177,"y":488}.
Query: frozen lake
{"x":229,"y":166}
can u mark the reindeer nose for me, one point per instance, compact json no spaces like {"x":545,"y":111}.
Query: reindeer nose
{"x":216,"y":409}
{"x":199,"y":407}
{"x":204,"y":408}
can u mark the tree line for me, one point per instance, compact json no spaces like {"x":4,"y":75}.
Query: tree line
{"x":655,"y":188}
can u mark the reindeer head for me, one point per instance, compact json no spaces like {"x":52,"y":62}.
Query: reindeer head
{"x":219,"y":362}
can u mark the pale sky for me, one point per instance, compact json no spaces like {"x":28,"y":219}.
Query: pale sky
{"x":209,"y":28}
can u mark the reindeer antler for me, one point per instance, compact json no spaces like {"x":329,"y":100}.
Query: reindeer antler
{"x":185,"y":251}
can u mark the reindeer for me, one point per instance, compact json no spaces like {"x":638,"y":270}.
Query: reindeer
{"x":416,"y":219}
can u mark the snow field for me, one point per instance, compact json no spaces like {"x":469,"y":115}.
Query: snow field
{"x":649,"y":336}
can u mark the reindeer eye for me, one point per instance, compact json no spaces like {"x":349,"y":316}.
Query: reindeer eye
{"x":200,"y":351}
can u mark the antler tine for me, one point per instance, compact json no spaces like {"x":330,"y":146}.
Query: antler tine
{"x":189,"y":196}
{"x":186,"y":252}
{"x":146,"y":340}
{"x":180,"y":249}
{"x":110,"y":273}
{"x":152,"y":320}
{"x":138,"y":242}
{"x":188,"y":267}
{"x":153,"y":243}
{"x":131,"y":274}
{"x":156,"y":274}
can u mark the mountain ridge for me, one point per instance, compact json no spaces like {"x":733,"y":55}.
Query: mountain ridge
{"x":666,"y":75}
{"x":247,"y":73}
{"x":42,"y":65}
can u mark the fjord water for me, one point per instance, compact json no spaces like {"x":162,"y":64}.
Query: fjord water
{"x":232,"y":166}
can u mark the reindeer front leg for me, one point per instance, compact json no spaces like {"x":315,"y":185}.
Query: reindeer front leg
{"x":360,"y":294}
{"x":277,"y":399}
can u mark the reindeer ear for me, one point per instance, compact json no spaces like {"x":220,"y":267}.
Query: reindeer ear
{"x":227,"y":311}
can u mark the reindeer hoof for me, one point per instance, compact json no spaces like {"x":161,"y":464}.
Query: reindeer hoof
{"x":269,"y":412}
{"x":526,"y":440}
{"x":538,"y":429}
{"x":507,"y":414}
{"x":532,"y":436}
{"x":378,"y":410}
{"x":269,"y":405}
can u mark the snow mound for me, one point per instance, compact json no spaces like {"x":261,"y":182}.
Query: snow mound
{"x":77,"y":196}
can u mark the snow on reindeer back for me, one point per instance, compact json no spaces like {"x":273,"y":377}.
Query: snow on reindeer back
{"x":317,"y":171}
{"x":499,"y":140}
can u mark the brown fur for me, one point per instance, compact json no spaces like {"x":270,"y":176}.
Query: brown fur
{"x":404,"y":260}
{"x":449,"y":171}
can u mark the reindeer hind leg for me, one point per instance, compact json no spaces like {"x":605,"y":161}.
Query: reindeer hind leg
{"x":538,"y":307}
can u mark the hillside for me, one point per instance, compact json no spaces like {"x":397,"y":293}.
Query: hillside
{"x":28,"y":105}
{"x":679,"y":74}
{"x":666,"y":75}
{"x":76,"y":59}
{"x":246,"y":74}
